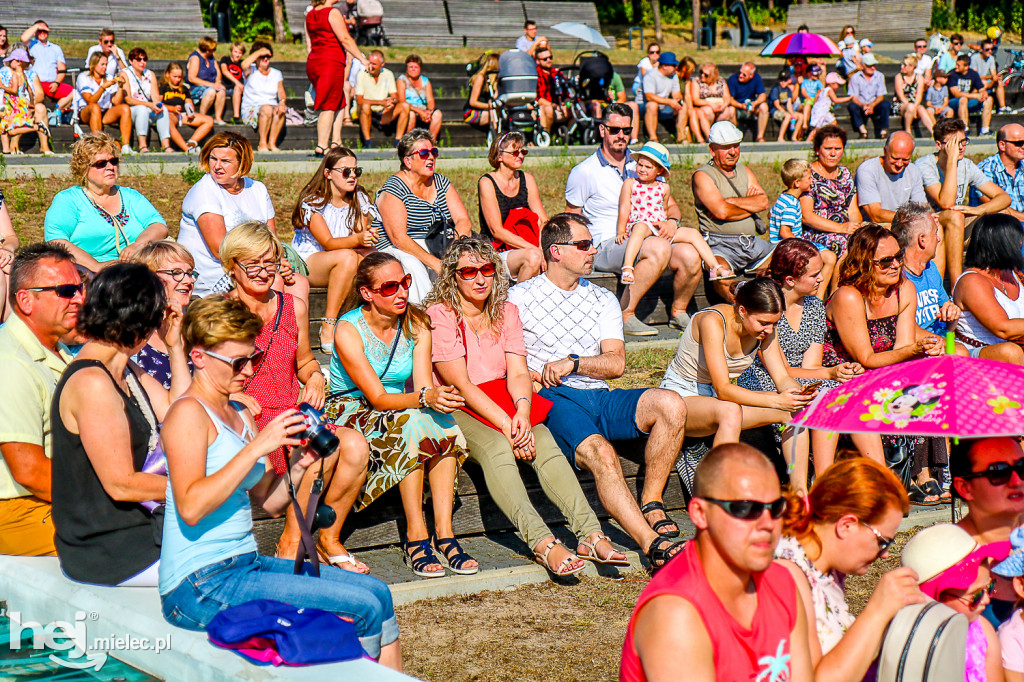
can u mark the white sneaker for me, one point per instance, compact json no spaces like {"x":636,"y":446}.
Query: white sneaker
{"x":126,"y":149}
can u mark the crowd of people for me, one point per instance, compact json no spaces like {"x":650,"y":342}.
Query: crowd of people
{"x":153,"y":383}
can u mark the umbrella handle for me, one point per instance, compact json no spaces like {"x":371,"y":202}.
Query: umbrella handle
{"x":950,"y":350}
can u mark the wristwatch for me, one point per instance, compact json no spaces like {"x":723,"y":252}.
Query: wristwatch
{"x":575,"y":362}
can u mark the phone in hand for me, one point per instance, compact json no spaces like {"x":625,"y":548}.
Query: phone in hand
{"x":810,"y":388}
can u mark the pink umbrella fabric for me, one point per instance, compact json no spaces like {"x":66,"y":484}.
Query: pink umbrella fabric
{"x":945,"y":396}
{"x":800,"y":45}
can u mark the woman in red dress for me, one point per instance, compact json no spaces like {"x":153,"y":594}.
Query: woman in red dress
{"x":328,"y":40}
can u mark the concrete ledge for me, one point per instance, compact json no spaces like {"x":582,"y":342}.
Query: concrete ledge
{"x":35,"y":588}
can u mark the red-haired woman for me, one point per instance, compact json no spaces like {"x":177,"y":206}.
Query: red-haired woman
{"x":845,"y":523}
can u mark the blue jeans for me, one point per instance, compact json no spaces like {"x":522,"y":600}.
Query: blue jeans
{"x":236,"y":580}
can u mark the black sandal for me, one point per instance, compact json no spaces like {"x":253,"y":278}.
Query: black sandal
{"x":918,"y":496}
{"x":319,"y":152}
{"x":658,"y":525}
{"x":931,"y":487}
{"x":417,"y":555}
{"x":661,"y":551}
{"x":454,"y":555}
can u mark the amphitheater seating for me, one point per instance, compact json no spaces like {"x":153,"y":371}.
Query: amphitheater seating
{"x":130,"y":19}
{"x":895,"y":20}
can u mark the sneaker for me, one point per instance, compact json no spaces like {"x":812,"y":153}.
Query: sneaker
{"x":1005,"y":110}
{"x":686,"y":464}
{"x":679,"y":320}
{"x":986,"y":133}
{"x":634,"y":327}
{"x":126,"y":149}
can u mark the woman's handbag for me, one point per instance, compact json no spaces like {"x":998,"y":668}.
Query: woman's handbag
{"x":523,"y":223}
{"x":497,"y":391}
{"x":439,"y":236}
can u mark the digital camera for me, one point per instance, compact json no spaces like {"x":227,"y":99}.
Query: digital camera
{"x":321,"y":441}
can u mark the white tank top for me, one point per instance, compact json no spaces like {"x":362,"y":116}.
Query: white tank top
{"x":972,"y":330}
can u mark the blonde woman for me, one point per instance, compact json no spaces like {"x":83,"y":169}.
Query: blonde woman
{"x":97,"y":220}
{"x":101,"y":100}
{"x":710,"y":98}
{"x":478,"y":348}
{"x":907,"y":102}
{"x":477,"y":109}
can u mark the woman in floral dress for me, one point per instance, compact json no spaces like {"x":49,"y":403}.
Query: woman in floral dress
{"x":379,"y":345}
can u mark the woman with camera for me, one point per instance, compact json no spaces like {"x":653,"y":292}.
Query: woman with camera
{"x":413,"y":203}
{"x":380,"y":343}
{"x":105,"y":416}
{"x":217,"y":464}
{"x":101,"y":100}
{"x":251,"y":255}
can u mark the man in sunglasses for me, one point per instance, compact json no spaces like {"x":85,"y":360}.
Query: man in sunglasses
{"x":1006,"y":168}
{"x":574,"y":344}
{"x":984,"y":62}
{"x":592,"y":191}
{"x":46,"y":292}
{"x":723,"y":610}
{"x":988,"y":475}
{"x":947,"y":176}
{"x":116,"y":61}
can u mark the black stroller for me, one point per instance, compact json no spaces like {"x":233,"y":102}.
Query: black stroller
{"x":513,"y":99}
{"x":369,"y":21}
{"x":590,"y":79}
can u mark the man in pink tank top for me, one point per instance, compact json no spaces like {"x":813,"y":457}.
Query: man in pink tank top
{"x":721,"y":610}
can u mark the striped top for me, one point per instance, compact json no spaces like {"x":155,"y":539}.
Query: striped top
{"x":420,"y":215}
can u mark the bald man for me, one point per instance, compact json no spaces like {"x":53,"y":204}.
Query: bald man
{"x":887,"y":182}
{"x":1005,"y":167}
{"x":723,"y":587}
{"x":988,"y":473}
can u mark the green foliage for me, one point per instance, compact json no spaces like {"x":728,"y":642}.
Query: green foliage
{"x":191,"y":174}
{"x":250,"y":19}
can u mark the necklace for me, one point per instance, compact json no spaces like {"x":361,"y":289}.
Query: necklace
{"x":998,"y":280}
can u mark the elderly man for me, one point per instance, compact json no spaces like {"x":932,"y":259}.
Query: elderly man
{"x":748,"y":97}
{"x":967,"y":94}
{"x":664,"y":98}
{"x":867,"y":87}
{"x":592,"y":190}
{"x":723,"y":610}
{"x":377,"y":99}
{"x":1005,"y":167}
{"x":573,"y":334}
{"x":727,"y":198}
{"x":45,"y":294}
{"x":917,"y":230}
{"x":988,"y":474}
{"x":947,"y":176}
{"x":887,"y":182}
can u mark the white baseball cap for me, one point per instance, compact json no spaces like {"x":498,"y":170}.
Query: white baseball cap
{"x":869,"y":59}
{"x":725,"y":133}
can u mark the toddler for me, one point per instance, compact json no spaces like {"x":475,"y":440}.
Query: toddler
{"x":642,"y":204}
{"x":821,"y":112}
{"x":785,"y":220}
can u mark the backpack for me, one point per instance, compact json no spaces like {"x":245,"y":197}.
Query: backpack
{"x":924,"y":643}
{"x":270,"y":632}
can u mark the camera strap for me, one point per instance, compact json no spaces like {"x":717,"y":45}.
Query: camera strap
{"x":307,"y":546}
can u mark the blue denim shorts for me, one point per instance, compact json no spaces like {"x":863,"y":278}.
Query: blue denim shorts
{"x":198,"y":91}
{"x":576,"y":414}
{"x":687,"y":388}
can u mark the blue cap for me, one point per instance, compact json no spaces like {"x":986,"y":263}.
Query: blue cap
{"x":668,"y":59}
{"x":657,"y":153}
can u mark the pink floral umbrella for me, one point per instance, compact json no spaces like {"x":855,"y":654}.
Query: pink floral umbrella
{"x":947,"y":396}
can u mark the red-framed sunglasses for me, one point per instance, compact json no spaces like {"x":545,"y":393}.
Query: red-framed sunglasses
{"x":391,"y":288}
{"x":469,"y":272}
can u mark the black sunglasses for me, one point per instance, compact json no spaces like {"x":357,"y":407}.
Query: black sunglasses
{"x":1015,"y":143}
{"x":883,"y":542}
{"x":100,"y":165}
{"x":469,"y":273}
{"x":177,"y":274}
{"x":62,"y":290}
{"x":999,"y":473}
{"x":749,"y":510}
{"x":618,"y":130}
{"x":889,"y":261}
{"x":581,"y":244}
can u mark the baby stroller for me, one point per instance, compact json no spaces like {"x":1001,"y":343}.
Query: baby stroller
{"x":369,"y":17}
{"x":513,"y":98}
{"x":590,"y":79}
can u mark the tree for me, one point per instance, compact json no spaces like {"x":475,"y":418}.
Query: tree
{"x":279,"y":33}
{"x":656,"y":14}
{"x":696,"y":23}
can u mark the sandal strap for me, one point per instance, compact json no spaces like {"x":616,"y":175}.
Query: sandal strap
{"x":547,"y":550}
{"x":659,"y":554}
{"x":653,"y":505}
{"x":455,"y":559}
{"x":425,"y":559}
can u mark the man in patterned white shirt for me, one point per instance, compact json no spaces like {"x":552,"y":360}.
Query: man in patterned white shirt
{"x":574,"y":343}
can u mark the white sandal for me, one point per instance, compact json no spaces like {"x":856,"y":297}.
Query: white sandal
{"x":595,"y":557}
{"x":627,"y":275}
{"x":328,"y":347}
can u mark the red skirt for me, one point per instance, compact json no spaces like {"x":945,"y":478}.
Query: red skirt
{"x":328,"y":79}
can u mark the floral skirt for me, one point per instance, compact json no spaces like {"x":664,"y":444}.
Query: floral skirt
{"x":15,"y":112}
{"x":833,"y":241}
{"x":400,"y":441}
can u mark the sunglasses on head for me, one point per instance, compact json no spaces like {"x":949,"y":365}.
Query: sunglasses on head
{"x":353,"y":172}
{"x":391,"y":288}
{"x":177,"y":274}
{"x":999,"y":473}
{"x":889,"y":261}
{"x":100,"y":165}
{"x":581,"y":244}
{"x":424,"y":153}
{"x":749,"y":510}
{"x":237,"y":364}
{"x":469,"y":272}
{"x":883,"y":542}
{"x":62,"y":290}
{"x":618,"y":130}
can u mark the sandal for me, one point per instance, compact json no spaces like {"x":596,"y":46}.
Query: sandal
{"x":454,"y":555}
{"x":627,"y":275}
{"x":143,"y":150}
{"x":417,"y":555}
{"x":327,"y":347}
{"x":919,"y":497}
{"x":720,"y":269}
{"x":319,"y":152}
{"x":593,"y":555}
{"x":662,"y":550}
{"x":564,"y":569}
{"x":658,"y":525}
{"x":340,"y":561}
{"x":932,"y":488}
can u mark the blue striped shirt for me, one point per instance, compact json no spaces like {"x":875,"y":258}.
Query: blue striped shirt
{"x":785,"y":211}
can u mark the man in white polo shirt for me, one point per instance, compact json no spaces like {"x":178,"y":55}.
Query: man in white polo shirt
{"x":593,"y":191}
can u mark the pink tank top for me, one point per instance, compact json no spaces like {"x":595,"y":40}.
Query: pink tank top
{"x":647,"y":203}
{"x":758,"y":653}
